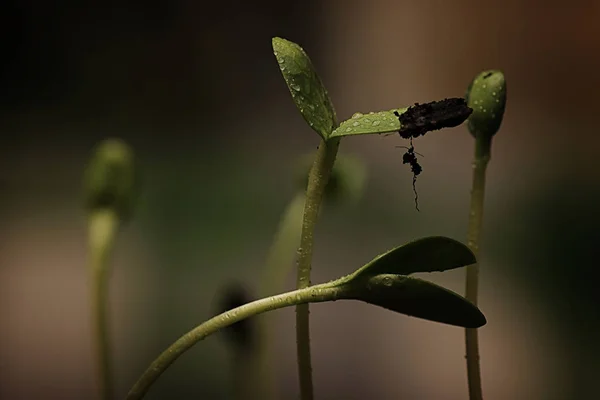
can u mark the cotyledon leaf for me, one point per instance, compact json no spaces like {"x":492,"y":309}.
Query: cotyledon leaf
{"x":308,"y":92}
{"x":371,"y":123}
{"x":487,"y":96}
{"x":112,"y":178}
{"x":430,"y":254}
{"x":410,"y":122}
{"x":418,"y":298}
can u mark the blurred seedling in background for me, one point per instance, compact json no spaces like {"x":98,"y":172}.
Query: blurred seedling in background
{"x":385,"y":281}
{"x":110,"y":191}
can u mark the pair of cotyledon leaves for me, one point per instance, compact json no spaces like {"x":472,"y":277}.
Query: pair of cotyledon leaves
{"x":384,"y":281}
{"x":312,"y":99}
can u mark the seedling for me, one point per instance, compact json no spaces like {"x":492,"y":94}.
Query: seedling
{"x":487,"y":96}
{"x":110,"y":189}
{"x":385,"y":281}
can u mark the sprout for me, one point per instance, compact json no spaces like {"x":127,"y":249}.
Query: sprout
{"x":111,"y":179}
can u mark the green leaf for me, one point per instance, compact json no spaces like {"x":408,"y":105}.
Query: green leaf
{"x":371,"y":123}
{"x":384,"y":282}
{"x":430,"y":254}
{"x":418,"y":298}
{"x":486,"y":95}
{"x":413,"y":121}
{"x":308,"y":92}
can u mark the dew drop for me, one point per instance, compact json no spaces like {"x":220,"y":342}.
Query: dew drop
{"x":295,"y":86}
{"x":357,"y":115}
{"x":375,"y":123}
{"x":493,"y":93}
{"x":367,"y":120}
{"x":348,"y":129}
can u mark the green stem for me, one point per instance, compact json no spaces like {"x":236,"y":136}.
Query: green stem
{"x":282,"y":252}
{"x":314,"y":294}
{"x":246,"y":386}
{"x":103,"y":225}
{"x":317,"y":181}
{"x":278,"y":265}
{"x":482,"y":157}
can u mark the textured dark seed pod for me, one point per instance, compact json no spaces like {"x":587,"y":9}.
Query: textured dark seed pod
{"x":486,"y":95}
{"x":111,"y":178}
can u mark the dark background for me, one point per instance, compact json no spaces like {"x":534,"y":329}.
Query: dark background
{"x":194,"y":88}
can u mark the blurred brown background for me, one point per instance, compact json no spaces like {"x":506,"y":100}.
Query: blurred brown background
{"x":194,"y":88}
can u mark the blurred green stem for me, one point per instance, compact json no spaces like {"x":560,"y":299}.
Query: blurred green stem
{"x":278,"y":264}
{"x":281,"y":254}
{"x":313,"y":294}
{"x":317,"y":181}
{"x":246,"y":386}
{"x":482,"y":157}
{"x":103,"y":225}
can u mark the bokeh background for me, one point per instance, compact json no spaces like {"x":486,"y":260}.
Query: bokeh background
{"x":195,"y":89}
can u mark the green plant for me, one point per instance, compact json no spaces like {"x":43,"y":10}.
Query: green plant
{"x":487,"y":96}
{"x":345,"y":186}
{"x":385,"y":281}
{"x":110,"y":191}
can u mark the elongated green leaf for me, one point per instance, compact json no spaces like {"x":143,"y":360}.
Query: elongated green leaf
{"x":418,"y":298}
{"x":308,"y":92}
{"x":430,"y":254}
{"x":385,"y":282}
{"x":371,"y":123}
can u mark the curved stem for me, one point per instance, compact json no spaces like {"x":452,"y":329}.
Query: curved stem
{"x":482,"y":157}
{"x":314,"y":294}
{"x":103,"y":226}
{"x":317,"y":181}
